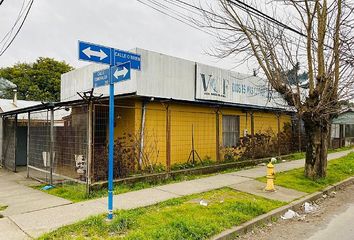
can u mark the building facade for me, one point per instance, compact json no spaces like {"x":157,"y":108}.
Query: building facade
{"x":175,"y":111}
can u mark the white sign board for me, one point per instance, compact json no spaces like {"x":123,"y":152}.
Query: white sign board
{"x":217,"y":84}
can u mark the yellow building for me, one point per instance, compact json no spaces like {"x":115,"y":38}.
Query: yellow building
{"x":173,"y":110}
{"x":169,"y":127}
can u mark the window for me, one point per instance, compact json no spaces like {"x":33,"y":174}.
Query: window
{"x":349,"y":130}
{"x":230,"y":130}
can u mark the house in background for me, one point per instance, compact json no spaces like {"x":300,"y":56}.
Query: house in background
{"x":7,"y":105}
{"x":343,"y":129}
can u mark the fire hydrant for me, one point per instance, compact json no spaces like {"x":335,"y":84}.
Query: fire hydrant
{"x":270,"y":177}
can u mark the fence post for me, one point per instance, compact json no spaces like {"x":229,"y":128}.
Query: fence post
{"x":252,"y":123}
{"x":28,"y":141}
{"x":89,"y":148}
{"x":51,"y":148}
{"x":278,"y":135}
{"x":299,"y":132}
{"x":168,"y":139}
{"x":15,"y":139}
{"x":217,"y":135}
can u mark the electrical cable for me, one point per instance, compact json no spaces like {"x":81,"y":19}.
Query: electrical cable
{"x":3,"y":50}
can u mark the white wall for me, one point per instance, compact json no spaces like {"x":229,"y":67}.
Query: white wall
{"x":80,"y":80}
{"x":169,"y":77}
{"x":165,"y":76}
{"x":215,"y":84}
{"x":160,"y":76}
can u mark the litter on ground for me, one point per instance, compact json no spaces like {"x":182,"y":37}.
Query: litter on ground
{"x":290,"y":214}
{"x":310,"y":207}
{"x":203,"y":203}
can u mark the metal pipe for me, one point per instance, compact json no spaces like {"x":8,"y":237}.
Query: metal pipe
{"x":28,"y":141}
{"x":51,"y":149}
{"x":89,"y":148}
{"x":110,"y":149}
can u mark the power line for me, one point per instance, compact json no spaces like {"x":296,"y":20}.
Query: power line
{"x":20,"y":14}
{"x":247,"y":7}
{"x":3,"y":50}
{"x":178,"y":18}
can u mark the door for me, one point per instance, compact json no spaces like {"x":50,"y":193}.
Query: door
{"x":21,"y":146}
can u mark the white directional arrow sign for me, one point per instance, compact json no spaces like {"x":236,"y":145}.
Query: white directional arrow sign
{"x":90,"y":53}
{"x":121,"y":72}
{"x":95,"y":53}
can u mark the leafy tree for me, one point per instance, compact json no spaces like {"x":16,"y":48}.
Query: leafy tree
{"x":38,"y":81}
{"x":318,"y":34}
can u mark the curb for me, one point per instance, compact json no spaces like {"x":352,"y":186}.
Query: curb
{"x":234,"y":232}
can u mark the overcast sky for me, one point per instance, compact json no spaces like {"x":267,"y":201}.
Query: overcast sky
{"x":54,"y":27}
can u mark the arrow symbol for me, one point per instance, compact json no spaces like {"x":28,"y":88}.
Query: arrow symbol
{"x":90,"y":53}
{"x":121,"y":72}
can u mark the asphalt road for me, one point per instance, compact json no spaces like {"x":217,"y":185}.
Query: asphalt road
{"x":334,"y":220}
{"x":340,"y":227}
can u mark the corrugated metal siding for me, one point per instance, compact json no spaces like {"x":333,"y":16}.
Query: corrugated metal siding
{"x":80,"y":80}
{"x":165,"y":76}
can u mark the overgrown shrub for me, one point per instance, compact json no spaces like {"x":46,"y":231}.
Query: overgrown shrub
{"x":126,"y":158}
{"x":261,"y":145}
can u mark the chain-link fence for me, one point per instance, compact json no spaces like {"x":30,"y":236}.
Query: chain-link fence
{"x":57,"y":149}
{"x":69,"y":142}
{"x":160,"y":137}
{"x":9,"y":142}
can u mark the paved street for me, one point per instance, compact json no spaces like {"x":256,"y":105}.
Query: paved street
{"x":340,"y":227}
{"x":333,"y":220}
{"x":26,"y":218}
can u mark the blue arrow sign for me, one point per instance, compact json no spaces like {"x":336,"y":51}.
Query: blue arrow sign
{"x":120,"y":72}
{"x":123,"y":56}
{"x":94,"y":53}
{"x":101,"y":78}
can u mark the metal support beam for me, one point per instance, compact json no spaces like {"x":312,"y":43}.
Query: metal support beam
{"x":168,"y":139}
{"x":89,"y":147}
{"x":278,"y":135}
{"x":51,"y":148}
{"x":28,"y":142}
{"x":217,"y":135}
{"x":15,"y":141}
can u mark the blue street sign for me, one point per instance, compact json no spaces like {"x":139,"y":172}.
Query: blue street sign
{"x":120,"y":72}
{"x":123,"y":56}
{"x":120,"y":64}
{"x":94,"y":53}
{"x":101,"y":78}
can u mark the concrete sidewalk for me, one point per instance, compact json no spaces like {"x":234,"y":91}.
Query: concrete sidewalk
{"x":20,"y":199}
{"x":38,"y":221}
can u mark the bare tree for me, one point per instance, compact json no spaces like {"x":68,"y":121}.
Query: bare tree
{"x":315,"y":35}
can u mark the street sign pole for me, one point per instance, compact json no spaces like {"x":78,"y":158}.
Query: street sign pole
{"x":111,"y":146}
{"x":120,"y":62}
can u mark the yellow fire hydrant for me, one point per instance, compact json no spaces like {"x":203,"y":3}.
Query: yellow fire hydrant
{"x":270,"y":177}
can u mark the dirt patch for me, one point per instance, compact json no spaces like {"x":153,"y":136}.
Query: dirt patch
{"x":305,"y":225}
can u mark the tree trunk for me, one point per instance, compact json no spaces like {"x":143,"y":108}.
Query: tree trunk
{"x":316,"y":150}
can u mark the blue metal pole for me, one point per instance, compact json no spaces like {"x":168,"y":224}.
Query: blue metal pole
{"x":110,"y":147}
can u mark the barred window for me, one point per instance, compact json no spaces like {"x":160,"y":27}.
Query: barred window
{"x":230,"y":130}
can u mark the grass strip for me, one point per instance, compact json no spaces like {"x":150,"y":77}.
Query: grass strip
{"x":77,"y":192}
{"x":337,"y":170}
{"x":301,"y":155}
{"x":179,"y":218}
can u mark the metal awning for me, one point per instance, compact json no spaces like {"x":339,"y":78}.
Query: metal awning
{"x":344,"y":118}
